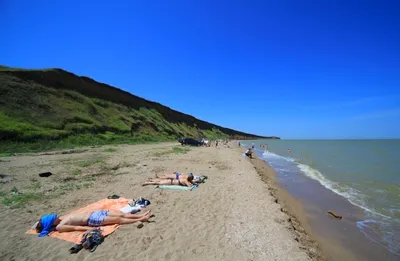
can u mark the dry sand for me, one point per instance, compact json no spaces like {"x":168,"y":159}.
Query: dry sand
{"x":233,"y":216}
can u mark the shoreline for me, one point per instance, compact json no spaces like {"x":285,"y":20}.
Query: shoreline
{"x":310,"y":202}
{"x":316,"y":246}
{"x":296,"y":221}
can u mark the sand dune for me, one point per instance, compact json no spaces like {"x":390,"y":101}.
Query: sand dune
{"x":230,"y":217}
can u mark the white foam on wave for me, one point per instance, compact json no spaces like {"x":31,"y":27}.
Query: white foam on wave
{"x":354,"y":196}
{"x":271,"y":155}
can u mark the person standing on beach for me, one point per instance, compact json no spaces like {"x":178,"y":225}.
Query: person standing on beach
{"x":252,"y":146}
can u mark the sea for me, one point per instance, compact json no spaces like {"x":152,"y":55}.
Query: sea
{"x":365,"y":173}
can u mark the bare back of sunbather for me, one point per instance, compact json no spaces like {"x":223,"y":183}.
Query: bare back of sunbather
{"x":80,"y":219}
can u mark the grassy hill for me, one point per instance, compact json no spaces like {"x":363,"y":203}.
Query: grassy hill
{"x":53,"y":108}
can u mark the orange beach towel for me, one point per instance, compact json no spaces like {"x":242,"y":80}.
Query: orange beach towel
{"x":104,"y":204}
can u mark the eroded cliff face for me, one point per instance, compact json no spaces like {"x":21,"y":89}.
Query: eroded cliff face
{"x":52,"y":104}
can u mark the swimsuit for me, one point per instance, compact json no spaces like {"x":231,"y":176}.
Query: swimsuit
{"x":179,"y":182}
{"x":97,"y":218}
{"x":177,"y":175}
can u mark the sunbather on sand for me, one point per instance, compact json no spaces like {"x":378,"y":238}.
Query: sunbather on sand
{"x":85,"y":221}
{"x":174,"y":175}
{"x":175,"y":179}
{"x":179,"y":176}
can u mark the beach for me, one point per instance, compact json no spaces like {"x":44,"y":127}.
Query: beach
{"x":235,"y":215}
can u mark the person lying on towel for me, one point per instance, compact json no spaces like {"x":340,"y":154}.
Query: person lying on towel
{"x":85,"y":221}
{"x":177,"y":176}
{"x":173,"y":179}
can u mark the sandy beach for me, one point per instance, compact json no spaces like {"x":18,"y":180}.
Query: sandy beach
{"x":235,"y":215}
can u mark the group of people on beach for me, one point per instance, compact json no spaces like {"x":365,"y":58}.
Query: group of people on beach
{"x":86,"y":221}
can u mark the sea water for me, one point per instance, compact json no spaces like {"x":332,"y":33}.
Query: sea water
{"x":364,"y":172}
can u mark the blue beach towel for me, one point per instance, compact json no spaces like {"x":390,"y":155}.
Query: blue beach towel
{"x":172,"y":187}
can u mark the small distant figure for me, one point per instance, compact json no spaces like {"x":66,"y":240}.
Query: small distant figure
{"x":216,"y":143}
{"x":249,"y":153}
{"x":238,"y":143}
{"x":289,"y":151}
{"x":252,"y":146}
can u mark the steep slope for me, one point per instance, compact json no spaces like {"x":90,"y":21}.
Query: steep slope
{"x":55,"y":104}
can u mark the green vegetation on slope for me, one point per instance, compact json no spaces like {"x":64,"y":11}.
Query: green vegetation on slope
{"x":41,"y":110}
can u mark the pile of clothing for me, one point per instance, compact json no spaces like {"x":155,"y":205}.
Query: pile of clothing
{"x":135,"y":206}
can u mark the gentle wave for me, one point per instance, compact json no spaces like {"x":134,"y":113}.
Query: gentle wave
{"x":276,"y":156}
{"x":381,"y":233}
{"x":352,"y":195}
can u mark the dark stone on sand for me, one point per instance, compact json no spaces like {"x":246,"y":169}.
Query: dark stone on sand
{"x":45,"y":174}
{"x":276,"y":200}
{"x":4,"y":178}
{"x":335,"y":215}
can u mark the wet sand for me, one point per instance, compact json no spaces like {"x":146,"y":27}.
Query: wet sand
{"x":233,"y":216}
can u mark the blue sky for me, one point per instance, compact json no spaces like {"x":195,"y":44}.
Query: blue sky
{"x":294,"y":69}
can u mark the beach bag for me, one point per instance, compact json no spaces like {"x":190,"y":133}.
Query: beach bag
{"x":91,"y":239}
